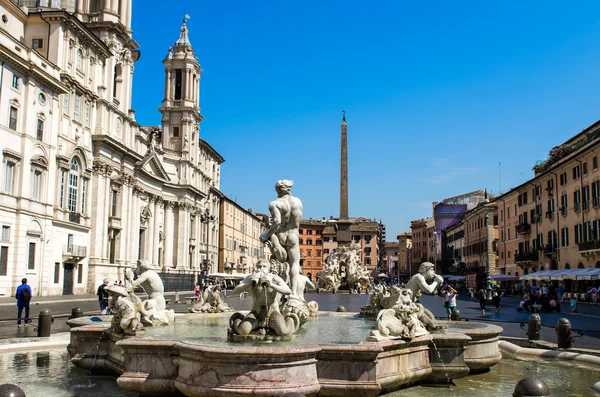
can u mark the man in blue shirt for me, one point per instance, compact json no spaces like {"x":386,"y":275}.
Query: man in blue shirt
{"x":23,"y":297}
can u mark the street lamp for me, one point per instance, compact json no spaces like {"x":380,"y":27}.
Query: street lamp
{"x":488,"y":265}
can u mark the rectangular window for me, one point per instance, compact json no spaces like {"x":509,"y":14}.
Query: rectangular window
{"x":113,"y":211}
{"x":501,"y":235}
{"x":175,"y":132}
{"x":319,"y":242}
{"x":72,"y":197}
{"x":66,"y":104}
{"x":563,"y":204}
{"x":12,"y":120}
{"x":585,"y":168}
{"x":564,"y":237}
{"x":367,"y":238}
{"x":83,"y":195}
{"x":576,"y":172}
{"x":37,"y":184}
{"x":318,"y":252}
{"x":9,"y":177}
{"x":87,"y":113}
{"x":508,"y":234}
{"x":595,"y":162}
{"x":80,"y":273}
{"x":3,"y":261}
{"x":31,"y":257}
{"x":63,"y":174}
{"x":501,"y":215}
{"x":300,"y":231}
{"x":586,"y":197}
{"x":178,"y":76}
{"x":577,"y":200}
{"x":15,"y":82}
{"x":56,"y":272}
{"x":587,"y":231}
{"x":300,"y":241}
{"x":326,"y":239}
{"x":5,"y":233}
{"x":578,"y":234}
{"x":308,"y":252}
{"x":309,"y":241}
{"x":563,"y":178}
{"x":508,"y":213}
{"x":550,"y":213}
{"x":326,"y":251}
{"x":77,"y":107}
{"x":596,"y":229}
{"x":40,"y":130}
{"x":596,"y":193}
{"x":37,"y":44}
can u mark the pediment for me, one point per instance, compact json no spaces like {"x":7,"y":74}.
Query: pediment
{"x":152,"y":166}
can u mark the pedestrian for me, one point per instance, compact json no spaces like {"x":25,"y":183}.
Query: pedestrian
{"x":472,"y":293}
{"x":197,"y":290}
{"x":594,"y":293}
{"x":103,"y":296}
{"x":449,"y":300}
{"x":242,"y":295}
{"x":496,"y":295}
{"x":23,"y":297}
{"x":121,"y":283}
{"x":481,"y":295}
{"x":573,"y":303}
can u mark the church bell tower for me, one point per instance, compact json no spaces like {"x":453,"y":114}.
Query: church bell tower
{"x":181,"y":104}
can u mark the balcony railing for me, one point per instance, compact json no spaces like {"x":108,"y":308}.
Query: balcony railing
{"x":523,"y":228}
{"x":74,"y":217}
{"x":590,"y":245}
{"x":75,"y":251}
{"x":550,"y":250}
{"x":526,"y":256}
{"x":114,"y":223}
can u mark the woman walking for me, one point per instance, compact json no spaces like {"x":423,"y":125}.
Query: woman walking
{"x":449,"y":300}
{"x":481,"y":295}
{"x":496,"y":295}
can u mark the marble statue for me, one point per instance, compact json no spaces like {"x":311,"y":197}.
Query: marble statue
{"x":266,"y":290}
{"x":154,"y":308}
{"x":329,"y":278}
{"x":210,"y":301}
{"x":298,"y":306}
{"x":126,"y":317}
{"x":282,"y":234}
{"x":401,"y":319}
{"x":424,"y":281}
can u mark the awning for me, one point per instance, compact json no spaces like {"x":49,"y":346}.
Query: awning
{"x":564,"y":274}
{"x":456,"y":278}
{"x":503,"y":277}
{"x":227,"y":275}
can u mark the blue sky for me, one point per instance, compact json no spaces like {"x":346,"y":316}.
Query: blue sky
{"x":436,"y":94}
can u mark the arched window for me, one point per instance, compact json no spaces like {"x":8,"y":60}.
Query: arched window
{"x":580,"y":266}
{"x":597,"y":264}
{"x":567,"y":266}
{"x":79,"y":59}
{"x":74,"y":176}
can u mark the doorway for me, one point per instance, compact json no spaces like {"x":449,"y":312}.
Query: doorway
{"x":68,"y":279}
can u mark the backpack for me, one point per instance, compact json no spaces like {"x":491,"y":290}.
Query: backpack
{"x":26,"y":294}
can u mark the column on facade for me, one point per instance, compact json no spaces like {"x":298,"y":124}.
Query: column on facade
{"x":127,"y":224}
{"x":103,"y":237}
{"x":168,"y":83}
{"x":98,"y":199}
{"x":123,"y":12}
{"x":149,"y":248}
{"x":120,"y":250}
{"x":169,"y":233}
{"x":190,"y":84}
{"x":183,"y":220}
{"x":134,"y":235}
{"x":158,"y":204}
{"x":197,"y":89}
{"x":129,"y":14}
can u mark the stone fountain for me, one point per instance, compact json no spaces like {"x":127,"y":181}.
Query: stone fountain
{"x":357,"y":276}
{"x":406,"y":345}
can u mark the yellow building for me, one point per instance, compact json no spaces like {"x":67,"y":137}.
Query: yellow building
{"x":404,"y":251}
{"x":480,"y":238}
{"x":239,"y":240}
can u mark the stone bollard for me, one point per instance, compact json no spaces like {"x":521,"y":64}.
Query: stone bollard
{"x":531,"y":386}
{"x":76,"y":312}
{"x":455,"y":315}
{"x":534,"y":325}
{"x":176,"y":296}
{"x":341,"y":309}
{"x":45,"y":321}
{"x":563,"y":333}
{"x":10,"y":390}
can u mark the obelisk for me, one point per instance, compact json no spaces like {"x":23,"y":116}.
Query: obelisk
{"x":344,"y":236}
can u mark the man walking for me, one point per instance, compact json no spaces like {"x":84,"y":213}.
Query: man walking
{"x":23,"y":297}
{"x":103,"y":296}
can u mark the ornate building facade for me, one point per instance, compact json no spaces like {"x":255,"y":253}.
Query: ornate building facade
{"x":87,"y":191}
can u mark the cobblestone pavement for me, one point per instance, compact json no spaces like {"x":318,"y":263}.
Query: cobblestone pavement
{"x":508,"y":318}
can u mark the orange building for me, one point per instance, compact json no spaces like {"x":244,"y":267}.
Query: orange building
{"x":311,"y":247}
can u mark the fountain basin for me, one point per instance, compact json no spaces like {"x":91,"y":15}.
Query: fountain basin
{"x":220,"y":368}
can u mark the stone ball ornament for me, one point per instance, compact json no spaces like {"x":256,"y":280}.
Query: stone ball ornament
{"x":10,"y":390}
{"x":531,"y":386}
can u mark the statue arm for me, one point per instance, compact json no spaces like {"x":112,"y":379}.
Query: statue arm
{"x":280,"y":286}
{"x":275,"y":222}
{"x":243,"y":286}
{"x":141,"y":278}
{"x":428,"y":288}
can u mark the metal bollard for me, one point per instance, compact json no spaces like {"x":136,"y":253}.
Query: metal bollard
{"x":45,"y":321}
{"x":563,"y":333}
{"x":455,"y":315}
{"x":534,"y":325}
{"x":76,"y":312}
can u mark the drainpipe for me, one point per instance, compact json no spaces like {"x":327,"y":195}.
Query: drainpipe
{"x":48,"y":37}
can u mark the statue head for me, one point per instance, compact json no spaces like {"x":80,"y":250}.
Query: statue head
{"x":143,"y":265}
{"x":263,"y":266}
{"x":427,"y":270}
{"x":283,"y":187}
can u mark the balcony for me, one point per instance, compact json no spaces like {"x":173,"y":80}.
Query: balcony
{"x":192,"y":242}
{"x":75,"y":217}
{"x":523,"y":228}
{"x":589,"y":248}
{"x":74,"y":251}
{"x":114,"y":223}
{"x":550,"y":250}
{"x":526,"y":257}
{"x":243,"y":251}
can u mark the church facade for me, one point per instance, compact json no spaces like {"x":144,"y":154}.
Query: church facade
{"x":85,"y":191}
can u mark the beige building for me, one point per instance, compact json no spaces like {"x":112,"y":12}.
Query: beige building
{"x":240,"y":247}
{"x":404,"y":252}
{"x":391,"y":258}
{"x":480,"y":238}
{"x":455,"y":252}
{"x":553,"y":220}
{"x":422,"y":242}
{"x":85,"y":190}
